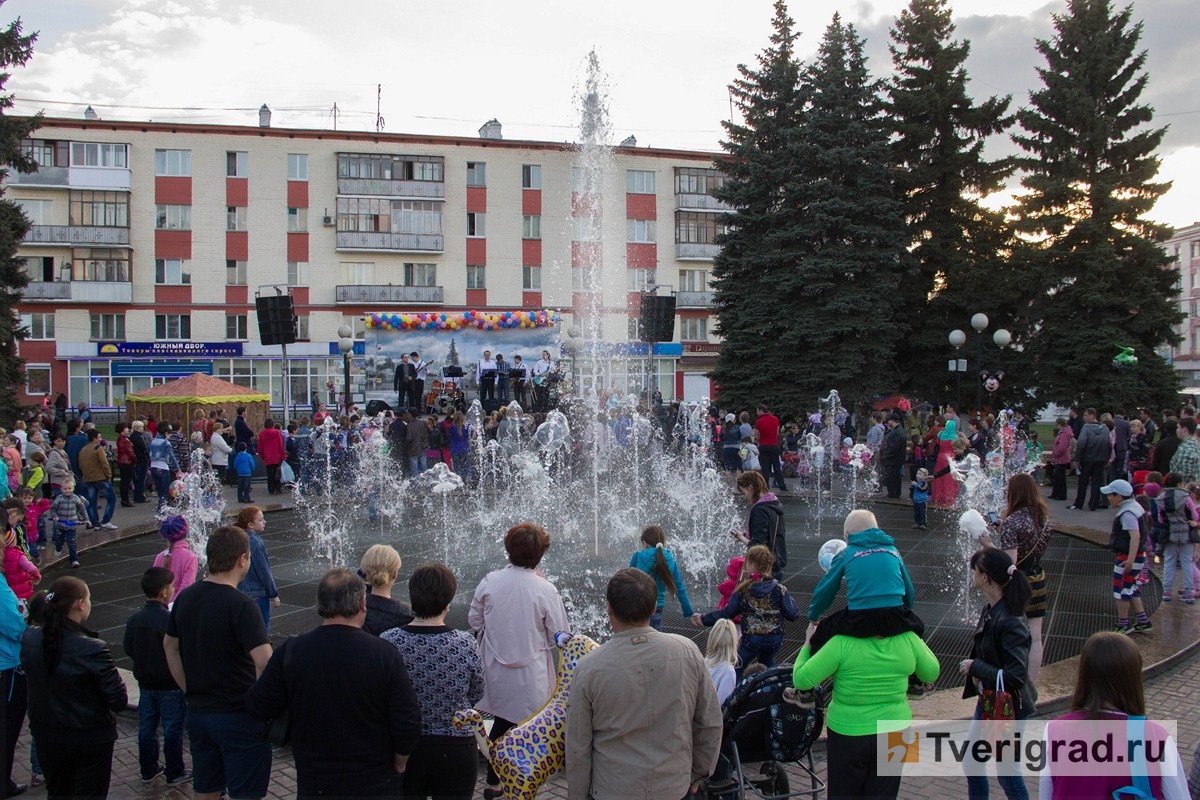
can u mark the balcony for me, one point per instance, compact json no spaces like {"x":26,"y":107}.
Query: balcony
{"x":389,"y":295}
{"x":78,"y":235}
{"x":699,"y":202}
{"x":105,"y":178}
{"x":694,"y":299}
{"x":45,"y":176}
{"x":391,"y":242}
{"x":80,"y":291}
{"x":696,"y":251}
{"x":384,"y":187}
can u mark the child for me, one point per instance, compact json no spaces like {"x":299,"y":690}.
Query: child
{"x":748,"y":452}
{"x":721,"y":657}
{"x":659,"y":563}
{"x":916,"y":456}
{"x":1177,"y":514}
{"x":181,"y":561}
{"x":33,"y":475}
{"x":1127,"y":540}
{"x":243,"y":465}
{"x":919,"y":492}
{"x":1158,"y":531}
{"x":68,"y":511}
{"x":879,"y":591}
{"x":19,"y":571}
{"x":764,"y":604}
{"x":35,"y":536}
{"x":161,"y":698}
{"x":734,"y":570}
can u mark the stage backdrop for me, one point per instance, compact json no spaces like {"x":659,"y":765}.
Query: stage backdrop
{"x":441,"y":347}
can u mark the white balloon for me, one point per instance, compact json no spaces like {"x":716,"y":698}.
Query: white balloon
{"x":829,"y":551}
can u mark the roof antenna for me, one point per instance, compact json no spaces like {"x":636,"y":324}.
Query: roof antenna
{"x":335,"y":114}
{"x":378,"y":101}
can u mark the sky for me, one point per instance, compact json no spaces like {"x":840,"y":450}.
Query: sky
{"x":445,"y":68}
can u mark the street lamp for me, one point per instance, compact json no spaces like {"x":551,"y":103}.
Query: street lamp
{"x":1001,"y":338}
{"x":957,"y":365}
{"x":346,"y":345}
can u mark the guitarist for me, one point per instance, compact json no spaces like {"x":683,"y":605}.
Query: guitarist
{"x":541,"y":374}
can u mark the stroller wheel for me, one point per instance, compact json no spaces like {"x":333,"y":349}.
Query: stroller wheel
{"x":772,"y":780}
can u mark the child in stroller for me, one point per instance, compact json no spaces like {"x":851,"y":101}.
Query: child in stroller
{"x":761,"y":726}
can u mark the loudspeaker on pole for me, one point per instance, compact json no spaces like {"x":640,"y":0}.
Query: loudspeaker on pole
{"x":658,"y":318}
{"x":276,"y":319}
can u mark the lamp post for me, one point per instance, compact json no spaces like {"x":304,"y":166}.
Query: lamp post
{"x":957,"y":365}
{"x":346,"y":345}
{"x":1001,"y":338}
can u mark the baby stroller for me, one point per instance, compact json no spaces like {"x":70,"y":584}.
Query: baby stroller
{"x":759,"y":726}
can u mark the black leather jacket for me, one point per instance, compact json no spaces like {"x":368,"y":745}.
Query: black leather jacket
{"x":77,"y":704}
{"x":1002,"y":641}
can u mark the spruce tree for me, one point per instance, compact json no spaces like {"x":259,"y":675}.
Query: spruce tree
{"x":841,"y":300}
{"x":959,"y":246}
{"x":15,"y":50}
{"x":759,"y":242}
{"x":1090,"y":167}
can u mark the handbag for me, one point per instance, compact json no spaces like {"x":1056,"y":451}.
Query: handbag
{"x":1140,"y":788}
{"x":279,"y":729}
{"x":286,"y":473}
{"x":997,"y":703}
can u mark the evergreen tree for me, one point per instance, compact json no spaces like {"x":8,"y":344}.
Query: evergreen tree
{"x":15,"y":50}
{"x":841,"y":300}
{"x":1090,"y":167}
{"x":452,"y":358}
{"x":959,"y":246}
{"x":759,"y":242}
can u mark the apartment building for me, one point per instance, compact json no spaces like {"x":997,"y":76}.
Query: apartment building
{"x":150,"y":242}
{"x":1184,"y":249}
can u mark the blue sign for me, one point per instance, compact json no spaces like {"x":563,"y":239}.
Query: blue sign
{"x":159,"y":369}
{"x":171,"y":349}
{"x":360,"y":349}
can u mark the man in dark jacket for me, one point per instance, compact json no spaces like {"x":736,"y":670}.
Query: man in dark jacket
{"x":355,"y":717}
{"x":1120,"y":455}
{"x":1165,"y":449}
{"x":141,"y":454}
{"x":160,"y":698}
{"x":891,"y":455}
{"x":1092,"y":453}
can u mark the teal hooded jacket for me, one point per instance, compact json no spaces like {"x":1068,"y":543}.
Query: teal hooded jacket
{"x":875,"y":575}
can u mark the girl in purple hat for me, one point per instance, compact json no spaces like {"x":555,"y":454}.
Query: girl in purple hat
{"x":177,"y":557}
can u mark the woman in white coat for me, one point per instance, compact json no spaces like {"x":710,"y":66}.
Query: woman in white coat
{"x":515,"y":614}
{"x":220,"y":453}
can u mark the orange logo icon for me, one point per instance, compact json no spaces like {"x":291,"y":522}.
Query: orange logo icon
{"x":903,"y":747}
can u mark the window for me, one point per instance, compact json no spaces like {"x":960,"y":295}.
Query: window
{"x":41,"y":269}
{"x":693,"y":180}
{"x":297,"y":220}
{"x":639,"y":280}
{"x":302,"y":328}
{"x":697,"y":228}
{"x":45,"y":153}
{"x":1195,"y":249}
{"x":235,"y":273}
{"x":531,"y":176}
{"x":237,"y":165}
{"x":476,"y":173}
{"x":174,"y":218}
{"x":235,"y":326}
{"x":40,"y":212}
{"x":416,"y":216}
{"x":639,"y":181}
{"x":236,"y":218}
{"x":358,"y":273}
{"x":172,"y":326}
{"x":401,"y":216}
{"x":297,"y":273}
{"x":41,"y":326}
{"x":396,"y":168}
{"x":634,"y":329}
{"x":693,"y":280}
{"x":94,"y":154}
{"x":1196,"y":279}
{"x":100,"y":265}
{"x":108,"y":326}
{"x":531,"y":226}
{"x":297,"y":167}
{"x":476,"y":225}
{"x":585,"y":229}
{"x":173,"y":162}
{"x":101,"y":209}
{"x":37,"y":379}
{"x":420,"y":274}
{"x":475,"y":277}
{"x":172,"y":272}
{"x":531,"y":279}
{"x":693,"y":329}
{"x":640,"y":231}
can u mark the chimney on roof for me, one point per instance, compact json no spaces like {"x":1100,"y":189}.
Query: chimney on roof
{"x":90,"y":113}
{"x":491,"y":130}
{"x":264,"y":116}
{"x":630,"y":141}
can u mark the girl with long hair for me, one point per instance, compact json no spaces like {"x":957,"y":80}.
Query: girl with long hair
{"x":721,"y":657}
{"x":765,"y":525}
{"x":659,"y":563}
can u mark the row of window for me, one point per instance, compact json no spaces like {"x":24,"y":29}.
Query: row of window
{"x":237,"y":218}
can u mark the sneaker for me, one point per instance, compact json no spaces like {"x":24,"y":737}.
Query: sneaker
{"x":110,"y":526}
{"x":1167,"y":597}
{"x":919,"y":691}
{"x":179,"y":779}
{"x":923,"y":527}
{"x":74,"y":564}
{"x":1189,"y":600}
{"x":36,"y":779}
{"x":798,"y":698}
{"x":1143,"y":627}
{"x":159,"y":770}
{"x":1126,"y":629}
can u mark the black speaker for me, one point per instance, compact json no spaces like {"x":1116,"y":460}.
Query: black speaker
{"x":658,"y":318}
{"x":377,"y":407}
{"x":276,"y":319}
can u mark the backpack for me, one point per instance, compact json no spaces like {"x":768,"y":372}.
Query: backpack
{"x":26,"y":474}
{"x":1177,"y":516}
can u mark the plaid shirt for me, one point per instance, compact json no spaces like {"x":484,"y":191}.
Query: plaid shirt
{"x":1186,"y":460}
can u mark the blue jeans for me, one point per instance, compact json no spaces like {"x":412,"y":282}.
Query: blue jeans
{"x":243,"y":492}
{"x":62,"y":534}
{"x":94,"y":488}
{"x":417,"y":465}
{"x":919,"y":515}
{"x":168,"y":707}
{"x":463,"y":466}
{"x":140,"y":471}
{"x":162,"y":484}
{"x":760,"y":646}
{"x":978,"y":785}
{"x":264,"y":605}
{"x":229,"y":751}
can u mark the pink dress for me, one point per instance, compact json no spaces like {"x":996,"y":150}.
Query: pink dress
{"x":183,"y":564}
{"x":945,"y":488}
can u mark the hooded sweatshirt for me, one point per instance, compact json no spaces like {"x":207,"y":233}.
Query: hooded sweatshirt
{"x":1094,"y":443}
{"x":875,"y":575}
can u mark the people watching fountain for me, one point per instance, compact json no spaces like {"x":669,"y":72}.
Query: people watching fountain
{"x":177,"y":558}
{"x":515,"y":613}
{"x":380,"y":568}
{"x":765,"y":526}
{"x":259,"y":582}
{"x":447,"y":675}
{"x":659,"y":563}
